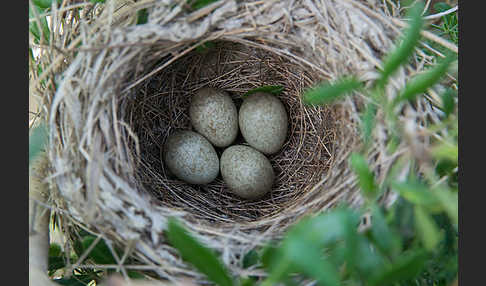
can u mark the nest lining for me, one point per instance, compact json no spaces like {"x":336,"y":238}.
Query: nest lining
{"x":160,"y":107}
{"x":121,"y":97}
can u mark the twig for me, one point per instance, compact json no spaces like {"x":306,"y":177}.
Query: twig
{"x":430,"y":36}
{"x":438,"y":15}
{"x":39,"y":221}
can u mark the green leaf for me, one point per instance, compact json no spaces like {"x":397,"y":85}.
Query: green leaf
{"x":420,"y":83}
{"x":328,"y":92}
{"x":135,"y":275}
{"x":368,"y":122}
{"x":45,"y":3}
{"x":198,"y":4}
{"x":370,"y":262}
{"x":449,"y":25}
{"x":441,"y":7}
{"x":303,"y":247}
{"x":100,"y":254}
{"x":382,"y":235}
{"x":446,"y":167}
{"x":449,"y":202}
{"x":401,"y":219}
{"x":446,"y":151}
{"x":269,"y":255}
{"x":34,"y":29}
{"x":341,"y":221}
{"x":196,"y":254}
{"x":34,"y":26}
{"x":418,"y":193}
{"x":205,"y":47}
{"x":307,"y":257}
{"x":142,"y":16}
{"x":327,"y":230}
{"x":393,"y":143}
{"x":448,"y":103}
{"x":78,"y":247}
{"x":55,"y":250}
{"x":55,"y":263}
{"x":250,"y":258}
{"x":272,"y":89}
{"x":97,"y":1}
{"x":277,"y":264}
{"x":31,"y":54}
{"x":406,"y":267}
{"x":37,"y":141}
{"x":405,"y":49}
{"x":247,"y":282}
{"x":365,"y":176}
{"x":427,"y":229}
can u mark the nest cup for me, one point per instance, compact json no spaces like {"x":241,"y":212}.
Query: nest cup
{"x":161,"y":105}
{"x":130,"y":87}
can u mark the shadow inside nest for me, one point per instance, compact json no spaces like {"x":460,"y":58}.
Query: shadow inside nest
{"x":161,"y":107}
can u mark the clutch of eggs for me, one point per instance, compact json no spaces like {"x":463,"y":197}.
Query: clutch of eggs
{"x":247,"y":172}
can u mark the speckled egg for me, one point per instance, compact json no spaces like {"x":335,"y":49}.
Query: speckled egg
{"x":263,"y":122}
{"x":246,"y":172}
{"x":213,"y":114}
{"x":190,"y":157}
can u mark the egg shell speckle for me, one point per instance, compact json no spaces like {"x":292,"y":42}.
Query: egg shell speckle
{"x":190,"y":157}
{"x":263,"y":122}
{"x":247,"y":172}
{"x":214,"y":115}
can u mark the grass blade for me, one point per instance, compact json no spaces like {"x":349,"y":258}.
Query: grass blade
{"x":205,"y":47}
{"x":34,"y":27}
{"x":198,"y":255}
{"x":382,"y":235}
{"x":277,"y":264}
{"x":418,"y":194}
{"x":370,"y":261}
{"x":365,"y":176}
{"x":403,"y":51}
{"x":100,"y":254}
{"x":44,"y":4}
{"x":308,"y":259}
{"x":250,"y":258}
{"x":449,"y":201}
{"x":142,"y":16}
{"x":446,"y":151}
{"x":340,"y":225}
{"x":426,"y":228}
{"x":198,"y":4}
{"x":302,"y":250}
{"x":423,"y":81}
{"x":406,"y":267}
{"x":329,"y":92}
{"x":448,"y":103}
{"x":368,"y":122}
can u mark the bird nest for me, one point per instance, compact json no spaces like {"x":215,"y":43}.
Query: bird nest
{"x":129,"y":87}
